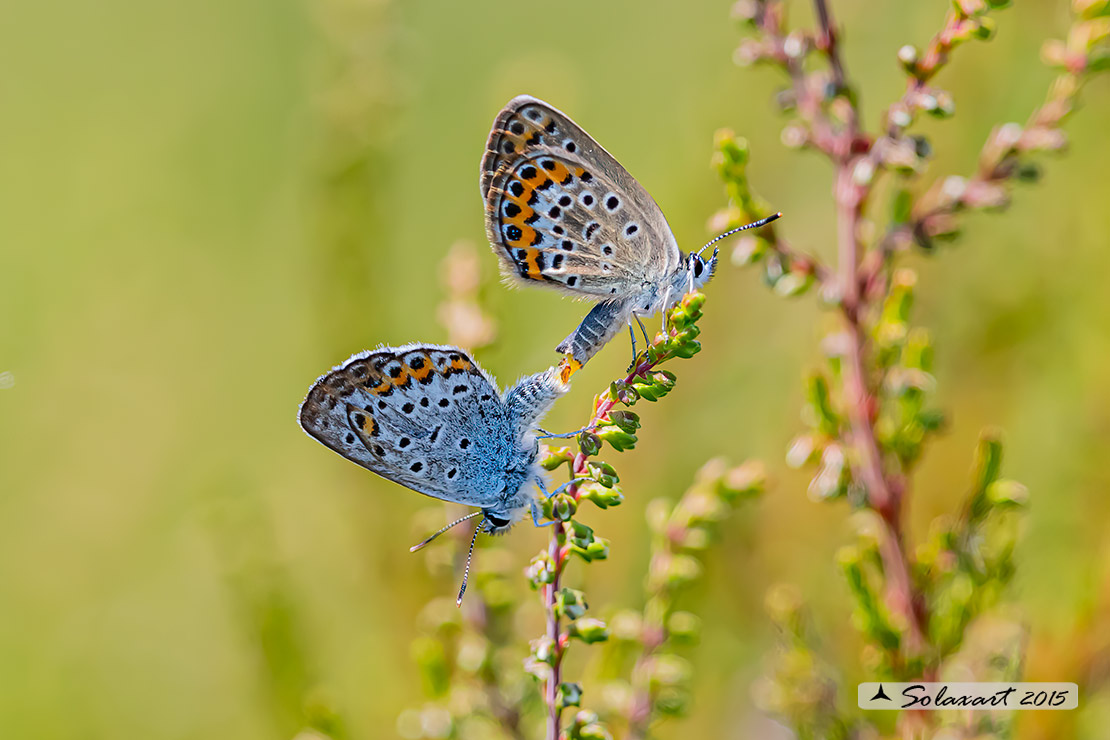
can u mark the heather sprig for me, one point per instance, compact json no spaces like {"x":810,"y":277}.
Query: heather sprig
{"x":871,"y":408}
{"x":612,"y":423}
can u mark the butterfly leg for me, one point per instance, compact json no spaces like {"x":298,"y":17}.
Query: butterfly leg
{"x":668,"y":305}
{"x":563,"y":487}
{"x":537,"y":515}
{"x":632,"y":336}
{"x":643,"y":328}
{"x":568,"y":435}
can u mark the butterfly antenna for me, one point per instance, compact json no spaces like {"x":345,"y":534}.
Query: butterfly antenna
{"x":466,"y":571}
{"x":471,"y":515}
{"x":745,"y":227}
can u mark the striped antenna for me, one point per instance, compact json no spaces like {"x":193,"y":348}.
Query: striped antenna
{"x":745,"y":227}
{"x":466,"y":571}
{"x":471,"y":515}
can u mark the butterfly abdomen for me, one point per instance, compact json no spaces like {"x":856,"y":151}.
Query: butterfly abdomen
{"x":532,"y":397}
{"x":601,"y":324}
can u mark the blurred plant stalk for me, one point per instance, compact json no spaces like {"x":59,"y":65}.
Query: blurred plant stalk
{"x":869,"y":409}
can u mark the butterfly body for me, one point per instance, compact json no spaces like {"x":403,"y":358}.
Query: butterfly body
{"x":430,"y":418}
{"x":561,"y":212}
{"x":608,"y":318}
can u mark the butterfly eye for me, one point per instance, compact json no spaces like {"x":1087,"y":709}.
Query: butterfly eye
{"x":698,"y":267}
{"x":497,"y":521}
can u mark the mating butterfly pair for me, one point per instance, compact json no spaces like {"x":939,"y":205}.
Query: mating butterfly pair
{"x":560,"y":212}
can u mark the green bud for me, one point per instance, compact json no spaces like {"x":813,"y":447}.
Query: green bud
{"x":793,"y":284}
{"x":918,"y":351}
{"x":1098,"y":60}
{"x":1028,"y":172}
{"x":687,"y":350}
{"x":619,"y":440}
{"x":907,"y":57}
{"x":601,"y":469}
{"x":556,"y":456}
{"x":584,"y":717}
{"x":543,"y":650}
{"x":540,"y":570}
{"x":945,"y":107}
{"x":1008,"y":493}
{"x":670,"y":670}
{"x":662,"y":381}
{"x":746,"y":480}
{"x":748,"y":250}
{"x":681,"y":570}
{"x":695,"y":538}
{"x":589,"y":443}
{"x":601,"y":496}
{"x":570,"y":603}
{"x":819,"y":407}
{"x":692,"y":303}
{"x":563,"y":506}
{"x":1088,"y":9}
{"x":803,"y":449}
{"x":588,"y":630}
{"x":569,"y":695}
{"x":985,"y":29}
{"x":580,"y":534}
{"x":898,"y":303}
{"x":672,"y":701}
{"x":689,"y":334}
{"x":626,"y":421}
{"x":985,"y":470}
{"x":627,"y":625}
{"x":589,"y":731}
{"x":598,"y":549}
{"x":684,"y":628}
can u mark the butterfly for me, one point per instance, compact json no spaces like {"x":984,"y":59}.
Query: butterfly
{"x":563,"y":213}
{"x":430,"y":418}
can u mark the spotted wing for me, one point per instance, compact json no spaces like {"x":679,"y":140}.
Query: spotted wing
{"x":425,"y":416}
{"x":561,"y":211}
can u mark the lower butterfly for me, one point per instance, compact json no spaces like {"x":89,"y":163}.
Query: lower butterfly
{"x":428,"y":417}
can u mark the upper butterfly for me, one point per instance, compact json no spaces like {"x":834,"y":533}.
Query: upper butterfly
{"x":562,"y":212}
{"x":428,"y":417}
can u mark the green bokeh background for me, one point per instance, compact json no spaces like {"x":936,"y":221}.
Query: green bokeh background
{"x":205,"y":204}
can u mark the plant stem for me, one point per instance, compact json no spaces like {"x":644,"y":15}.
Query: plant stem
{"x":558,"y":552}
{"x":883,"y":495}
{"x":551,"y":691}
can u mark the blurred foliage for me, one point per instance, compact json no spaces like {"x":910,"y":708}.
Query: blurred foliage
{"x":205,"y":204}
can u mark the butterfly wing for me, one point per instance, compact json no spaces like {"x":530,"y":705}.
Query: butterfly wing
{"x":560,"y":210}
{"x":425,"y":416}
